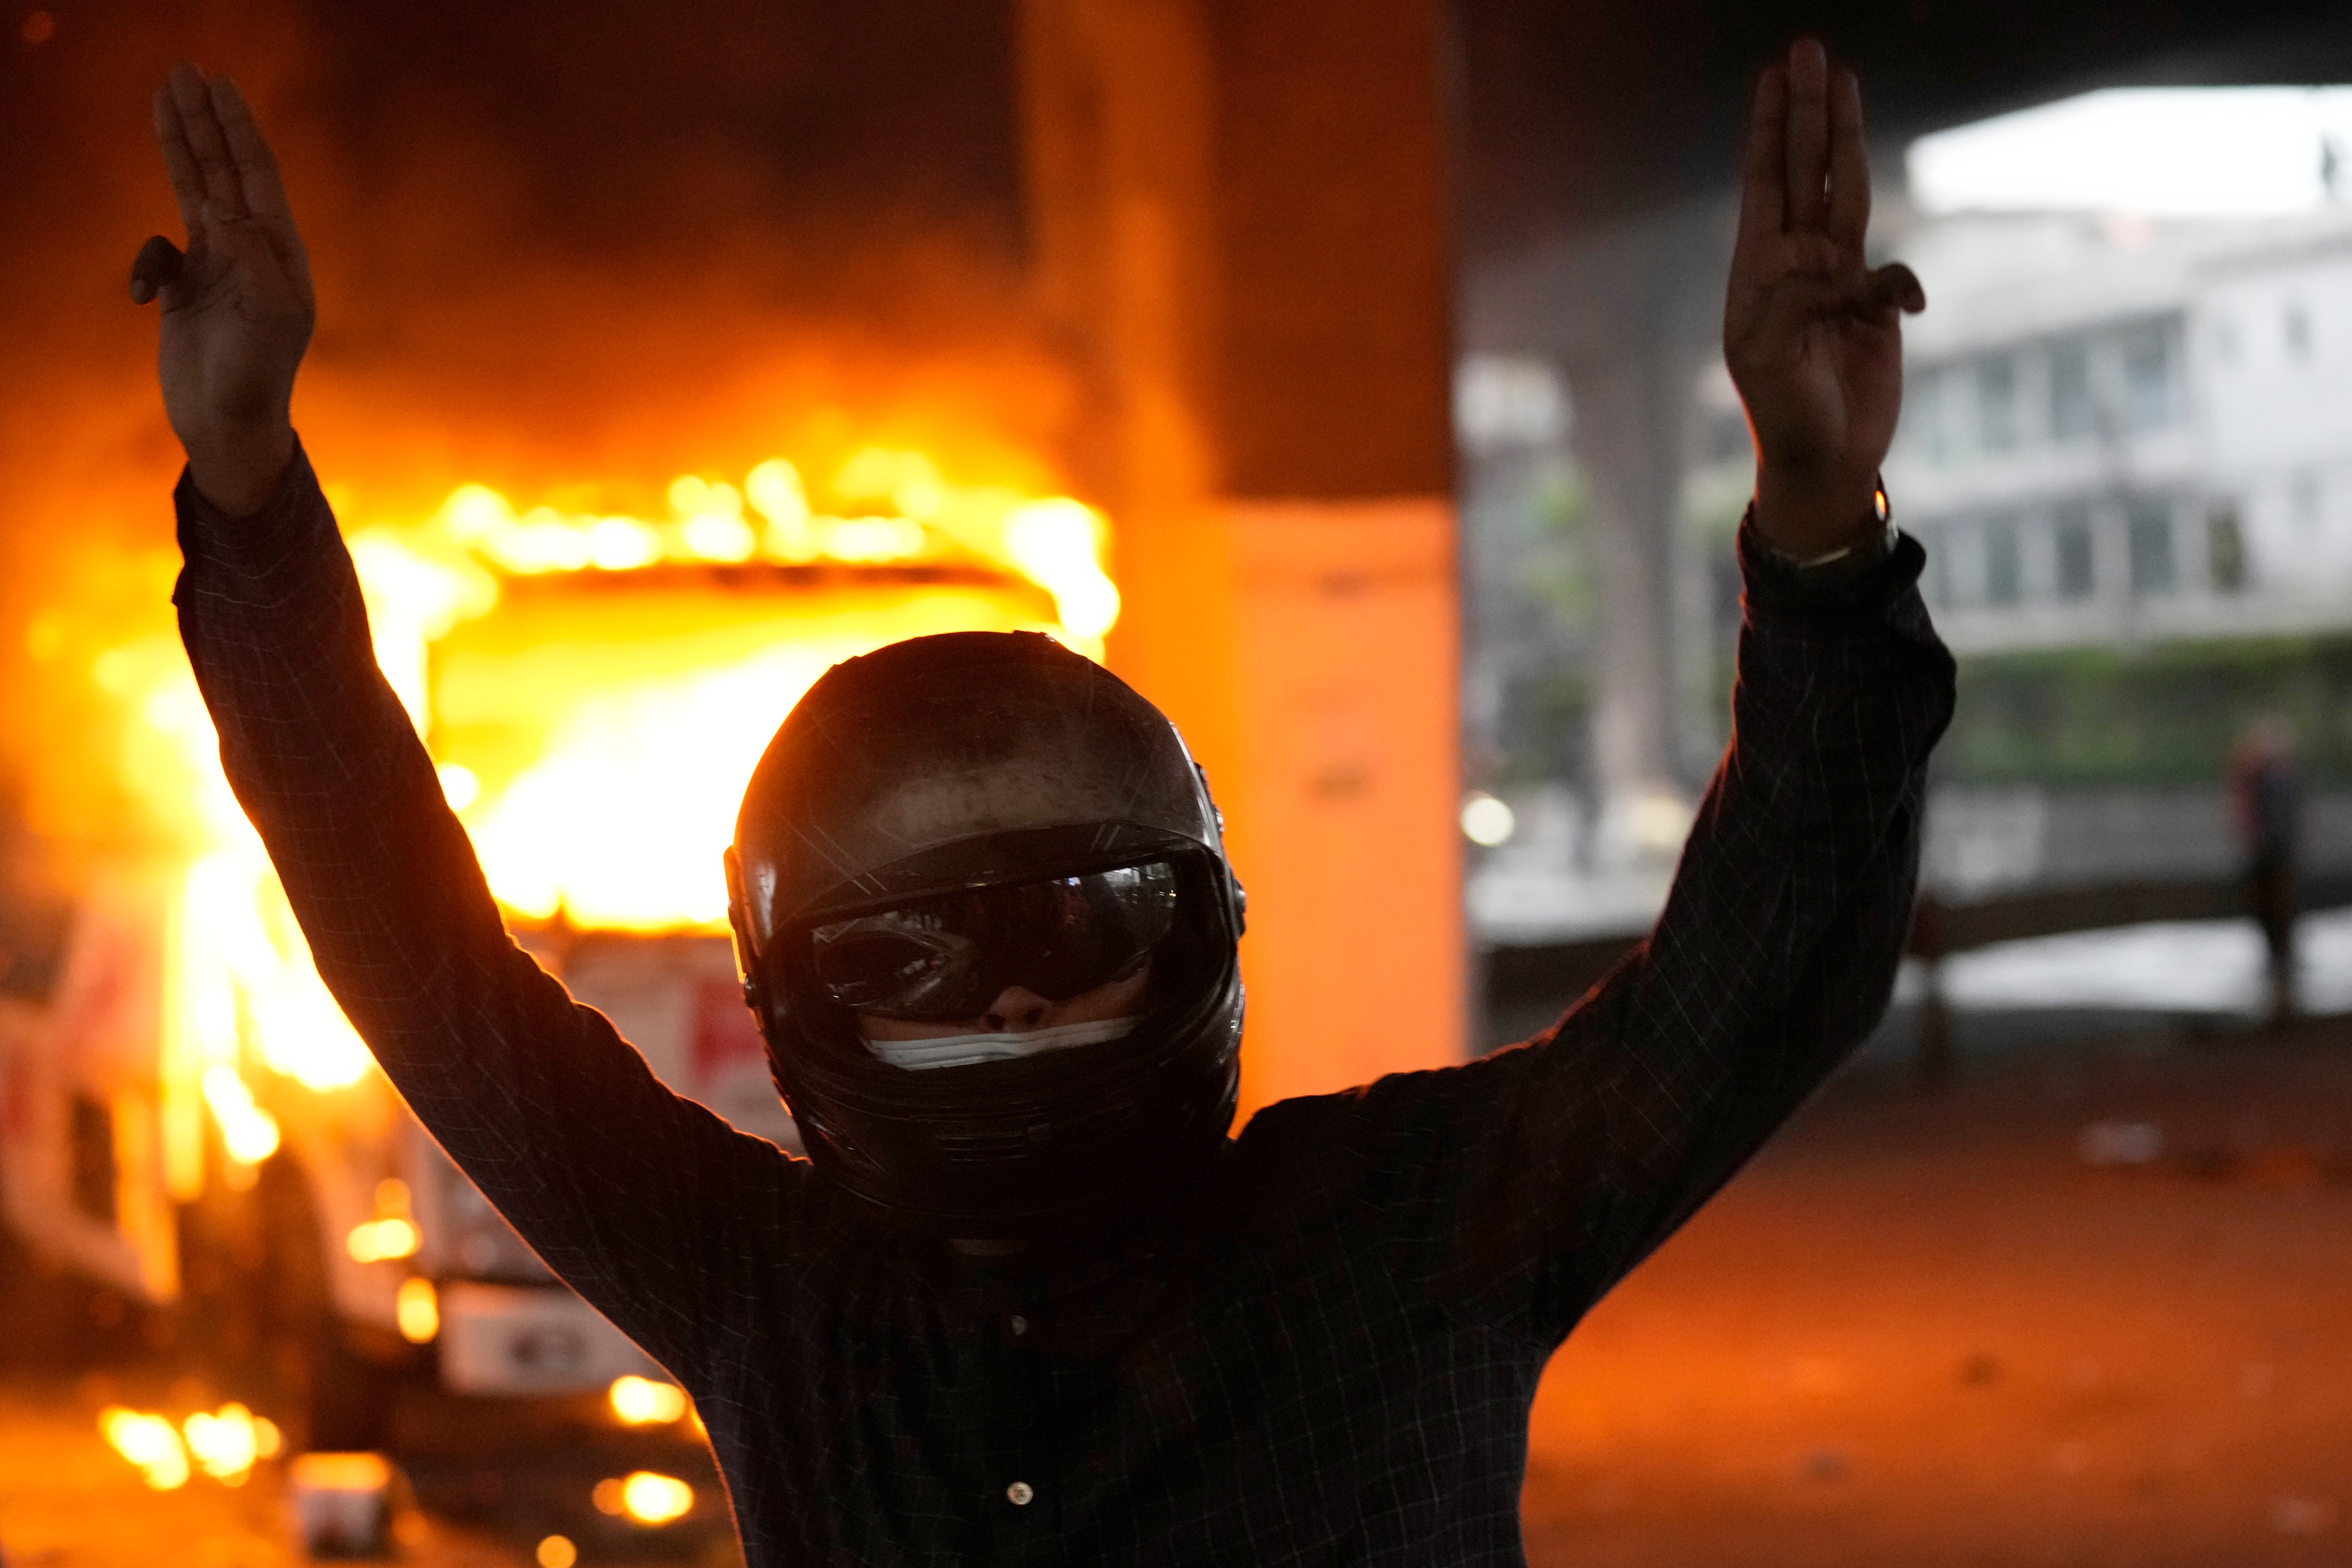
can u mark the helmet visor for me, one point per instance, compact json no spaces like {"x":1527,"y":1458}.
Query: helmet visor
{"x":943,"y":959}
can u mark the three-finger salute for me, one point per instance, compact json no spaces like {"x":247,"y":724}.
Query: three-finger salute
{"x":1811,"y":333}
{"x":237,"y":304}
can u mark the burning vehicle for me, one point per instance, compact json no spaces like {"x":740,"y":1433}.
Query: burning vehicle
{"x":187,"y":1119}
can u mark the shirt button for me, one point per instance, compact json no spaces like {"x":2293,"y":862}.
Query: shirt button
{"x":1019,"y":1326}
{"x":1020,"y":1492}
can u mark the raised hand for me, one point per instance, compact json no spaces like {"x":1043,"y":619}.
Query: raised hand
{"x":238,"y":305}
{"x":1810,"y":333}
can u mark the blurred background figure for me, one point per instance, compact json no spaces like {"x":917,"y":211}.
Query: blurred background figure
{"x":2266,"y":806}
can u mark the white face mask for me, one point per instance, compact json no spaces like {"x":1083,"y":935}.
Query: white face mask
{"x":962,"y":1050}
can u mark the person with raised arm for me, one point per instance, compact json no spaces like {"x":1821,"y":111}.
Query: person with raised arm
{"x":1029,"y":1298}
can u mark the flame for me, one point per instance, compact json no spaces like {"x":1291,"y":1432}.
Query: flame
{"x":619,"y":818}
{"x":235,"y":900}
{"x":1057,"y":544}
{"x":151,"y":1442}
{"x":378,"y":1240}
{"x":629,"y":798}
{"x":417,"y":1310}
{"x":227,"y":1442}
{"x":1054,"y":543}
{"x":392,"y":1233}
{"x":642,"y":1402}
{"x":598,"y":760}
{"x":645,"y":1496}
{"x":249,"y":1133}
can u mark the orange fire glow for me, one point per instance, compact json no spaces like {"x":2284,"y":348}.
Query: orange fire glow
{"x":644,"y":1402}
{"x":149,"y":1442}
{"x":225,"y":1444}
{"x":593,"y":743}
{"x":645,"y":1496}
{"x":418,"y":1310}
{"x":644,"y":721}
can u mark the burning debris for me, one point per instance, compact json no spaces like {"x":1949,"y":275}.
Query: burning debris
{"x":596,"y":683}
{"x":650,"y":713}
{"x":644,"y":1402}
{"x":645,"y":1496}
{"x":594,"y":749}
{"x":225,"y":1444}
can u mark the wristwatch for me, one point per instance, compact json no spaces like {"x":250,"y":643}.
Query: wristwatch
{"x":1829,"y":574}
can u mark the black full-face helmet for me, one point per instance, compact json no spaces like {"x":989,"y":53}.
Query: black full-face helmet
{"x":988,"y":769}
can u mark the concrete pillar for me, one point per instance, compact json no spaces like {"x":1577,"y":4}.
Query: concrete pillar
{"x":1631,"y":313}
{"x":1651,"y":298}
{"x":1239,"y":231}
{"x":1628,"y":440}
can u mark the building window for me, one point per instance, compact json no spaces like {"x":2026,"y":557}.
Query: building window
{"x":1503,"y":401}
{"x":2225,"y":549}
{"x":1923,"y":424}
{"x":1997,"y":403}
{"x":2306,"y":500}
{"x":2070,"y":531}
{"x":2070,"y":390}
{"x":1956,"y":562}
{"x":2148,"y":531}
{"x":2150,"y":400}
{"x":1936,"y":540}
{"x":2002,"y":567}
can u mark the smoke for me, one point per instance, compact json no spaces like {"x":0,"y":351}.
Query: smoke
{"x":560,"y":249}
{"x":612,"y":244}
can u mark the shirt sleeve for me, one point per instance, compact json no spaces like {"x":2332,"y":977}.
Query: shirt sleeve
{"x":636,"y":1197}
{"x":1521,"y":1186}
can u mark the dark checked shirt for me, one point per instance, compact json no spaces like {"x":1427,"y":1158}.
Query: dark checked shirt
{"x":1326,"y":1358}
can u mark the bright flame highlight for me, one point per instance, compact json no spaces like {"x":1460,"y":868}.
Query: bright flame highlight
{"x":629,"y":796}
{"x":227,"y":1442}
{"x":645,"y":1496}
{"x":149,"y":1442}
{"x":604,"y":788}
{"x":928,"y":518}
{"x":460,"y":787}
{"x":247,"y":977}
{"x":342,"y":1472}
{"x":1057,"y":544}
{"x":556,"y":1552}
{"x":417,"y":1309}
{"x":379,"y":1240}
{"x":644,"y":1402}
{"x":249,"y":1133}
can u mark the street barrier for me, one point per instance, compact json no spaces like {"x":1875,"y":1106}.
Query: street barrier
{"x":1518,"y":976}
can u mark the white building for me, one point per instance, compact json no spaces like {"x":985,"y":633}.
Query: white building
{"x":2119,"y":430}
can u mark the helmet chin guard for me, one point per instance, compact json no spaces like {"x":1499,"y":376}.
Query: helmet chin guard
{"x":965,"y":761}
